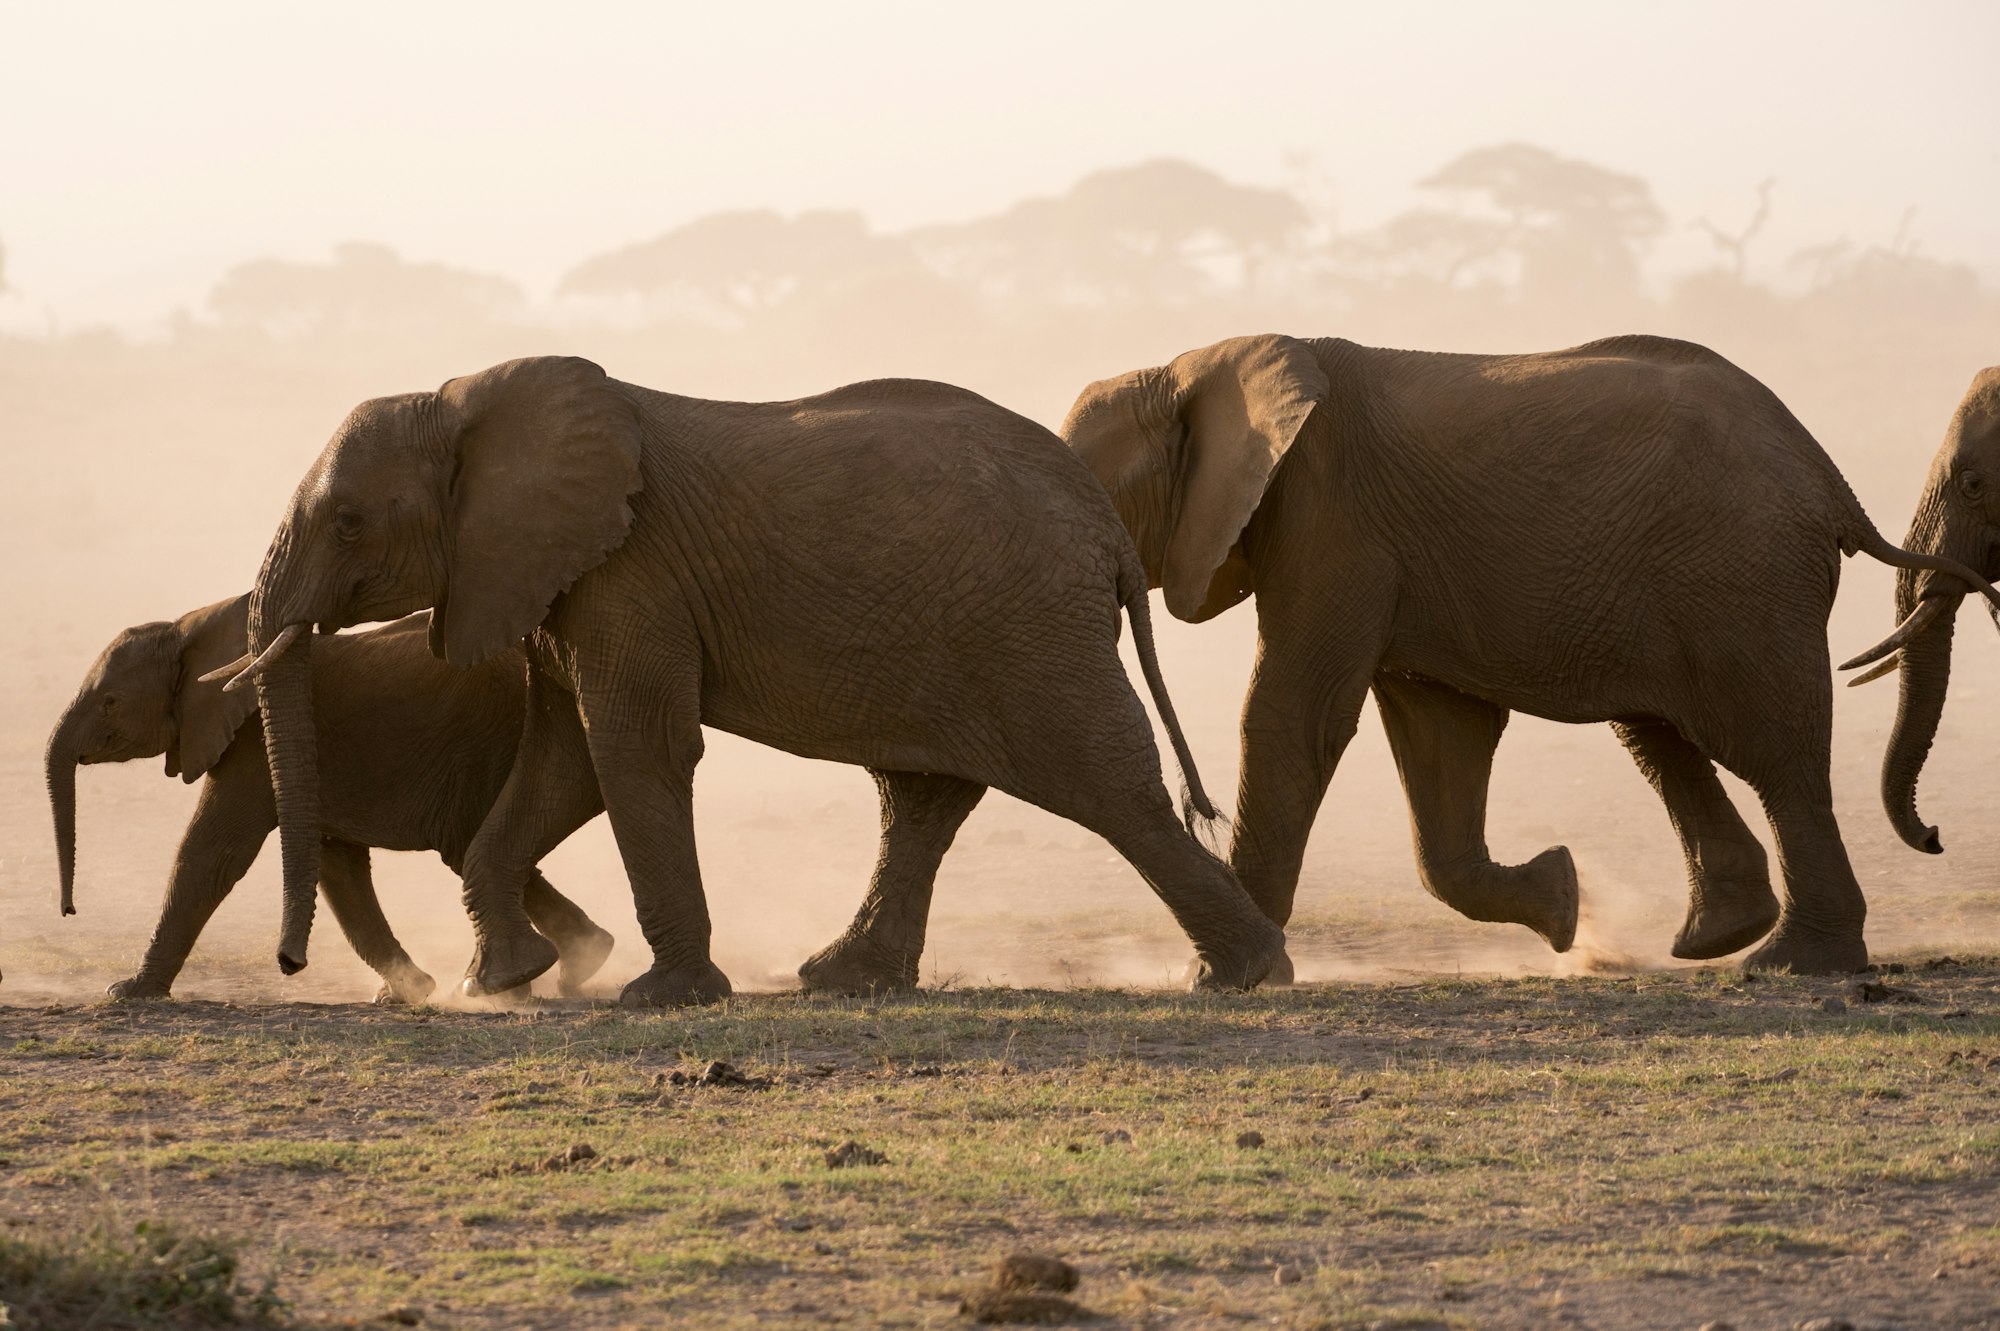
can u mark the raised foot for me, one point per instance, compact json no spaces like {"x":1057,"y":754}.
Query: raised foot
{"x":1549,"y":897}
{"x":406,"y":987}
{"x":1725,"y":918}
{"x":853,"y":964}
{"x":681,"y":986}
{"x":508,"y":962}
{"x":137,"y":989}
{"x":582,"y":956}
{"x":1244,"y":966}
{"x":1805,"y":951}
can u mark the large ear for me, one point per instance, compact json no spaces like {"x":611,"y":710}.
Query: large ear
{"x":1240,"y":404}
{"x":207,"y":718}
{"x":547,"y":453}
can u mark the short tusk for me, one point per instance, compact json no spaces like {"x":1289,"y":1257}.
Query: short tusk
{"x":1919,"y":620}
{"x":224,"y":672}
{"x":286,"y":637}
{"x":1888,"y":667}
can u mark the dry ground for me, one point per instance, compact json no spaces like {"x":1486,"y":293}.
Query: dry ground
{"x":1646,"y":1151}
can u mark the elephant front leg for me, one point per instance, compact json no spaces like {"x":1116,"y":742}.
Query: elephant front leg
{"x":229,"y":826}
{"x":345,"y":878}
{"x":1444,"y":742}
{"x":1730,"y":901}
{"x":1300,"y":713}
{"x":649,"y":793}
{"x":921,"y":813}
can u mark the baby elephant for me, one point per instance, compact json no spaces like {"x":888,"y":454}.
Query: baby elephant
{"x":413,"y":753}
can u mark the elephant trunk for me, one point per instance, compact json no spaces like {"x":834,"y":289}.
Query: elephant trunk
{"x":62,"y":756}
{"x":1925,"y":673}
{"x":284,"y":694}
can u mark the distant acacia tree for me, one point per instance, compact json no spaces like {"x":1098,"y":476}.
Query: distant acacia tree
{"x":367,"y":287}
{"x":1518,"y":214}
{"x":740,"y":263}
{"x":1162,"y":230}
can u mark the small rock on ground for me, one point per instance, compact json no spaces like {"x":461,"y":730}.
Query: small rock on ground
{"x":1250,"y":1140}
{"x":1288,"y":1274}
{"x":1833,"y":1005}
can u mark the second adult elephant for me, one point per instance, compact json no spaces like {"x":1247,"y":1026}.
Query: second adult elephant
{"x":897,"y":574}
{"x":1957,"y":517}
{"x":413,"y":752}
{"x":1633,"y":531}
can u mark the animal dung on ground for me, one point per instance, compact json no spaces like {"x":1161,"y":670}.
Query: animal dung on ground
{"x":1031,"y":1270}
{"x":715,"y":1073}
{"x":852,"y":1153}
{"x":1021,"y":1292}
{"x":1871,"y":991}
{"x":1251,"y":1140}
{"x":995,"y":1306}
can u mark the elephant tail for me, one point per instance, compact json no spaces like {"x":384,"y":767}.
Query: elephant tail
{"x":1204,"y":821}
{"x":1872,"y":543}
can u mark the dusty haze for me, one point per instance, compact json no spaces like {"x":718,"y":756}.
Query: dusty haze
{"x":219,"y":235}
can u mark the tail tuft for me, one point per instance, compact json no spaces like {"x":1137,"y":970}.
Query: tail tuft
{"x":1209,"y":827}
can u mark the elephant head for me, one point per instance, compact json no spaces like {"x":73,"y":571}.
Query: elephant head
{"x":1958,"y":517}
{"x":1187,"y":450}
{"x":142,"y":698}
{"x":483,"y":500}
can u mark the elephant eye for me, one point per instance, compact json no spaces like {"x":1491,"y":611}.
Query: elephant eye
{"x":348,"y":522}
{"x":1970,"y":485}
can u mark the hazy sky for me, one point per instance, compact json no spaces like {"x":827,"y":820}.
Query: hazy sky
{"x":146,"y":147}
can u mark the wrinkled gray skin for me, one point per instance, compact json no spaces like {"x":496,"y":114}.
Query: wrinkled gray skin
{"x":1632,"y":531}
{"x":897,"y":574}
{"x":1957,"y":518}
{"x":412,"y":754}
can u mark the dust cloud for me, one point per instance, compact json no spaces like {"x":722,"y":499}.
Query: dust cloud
{"x":142,"y":476}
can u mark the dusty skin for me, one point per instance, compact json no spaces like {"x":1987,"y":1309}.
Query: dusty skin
{"x":1646,"y":1151}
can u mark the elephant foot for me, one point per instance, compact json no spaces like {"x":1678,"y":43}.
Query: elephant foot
{"x":677,"y":986}
{"x":1725,"y":918}
{"x":1541,"y":894}
{"x":508,"y":961}
{"x":1241,"y":967}
{"x":138,"y":989}
{"x":405,"y":986}
{"x":583,"y":955}
{"x":855,"y":964}
{"x":1548,"y":897}
{"x":1807,"y":951}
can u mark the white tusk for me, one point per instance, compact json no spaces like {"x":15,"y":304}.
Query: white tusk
{"x":1888,"y":667}
{"x":286,"y":636}
{"x":224,"y":672}
{"x":1918,"y":621}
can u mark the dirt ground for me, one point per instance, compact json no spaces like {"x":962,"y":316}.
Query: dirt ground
{"x":1651,"y":1151}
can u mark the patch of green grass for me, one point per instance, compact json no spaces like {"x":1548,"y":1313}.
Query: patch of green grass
{"x":147,"y":1275}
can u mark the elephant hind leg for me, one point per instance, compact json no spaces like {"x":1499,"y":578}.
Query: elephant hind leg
{"x":879,"y":952}
{"x":1730,"y":901}
{"x":345,"y":877}
{"x":581,"y":943}
{"x":1443,"y":742}
{"x":1781,"y":743}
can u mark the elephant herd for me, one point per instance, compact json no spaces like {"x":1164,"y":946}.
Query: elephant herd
{"x":582,"y":573}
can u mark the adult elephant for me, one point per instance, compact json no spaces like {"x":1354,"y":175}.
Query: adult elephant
{"x":1958,"y":518}
{"x":412,"y":754}
{"x":896,"y":574}
{"x":1633,"y":531}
